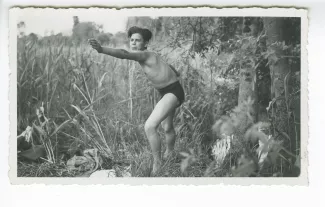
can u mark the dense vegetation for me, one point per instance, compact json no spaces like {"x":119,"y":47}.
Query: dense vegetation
{"x":241,"y":117}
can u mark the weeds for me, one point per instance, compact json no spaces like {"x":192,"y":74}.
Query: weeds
{"x":74,"y":99}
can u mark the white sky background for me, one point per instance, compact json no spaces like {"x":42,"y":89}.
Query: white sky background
{"x":40,"y":21}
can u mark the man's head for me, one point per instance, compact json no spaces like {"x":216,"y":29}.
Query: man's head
{"x":139,"y":38}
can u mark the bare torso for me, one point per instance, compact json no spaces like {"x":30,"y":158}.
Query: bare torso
{"x":158,"y":72}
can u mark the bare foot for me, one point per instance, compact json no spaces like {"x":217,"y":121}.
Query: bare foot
{"x":156,"y":167}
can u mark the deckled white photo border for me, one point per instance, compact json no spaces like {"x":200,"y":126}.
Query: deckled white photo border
{"x":189,"y":11}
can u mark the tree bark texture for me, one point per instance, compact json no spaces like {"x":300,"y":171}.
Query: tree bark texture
{"x":279,"y":70}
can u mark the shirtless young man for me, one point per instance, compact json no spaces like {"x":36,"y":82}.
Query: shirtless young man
{"x":163,"y":77}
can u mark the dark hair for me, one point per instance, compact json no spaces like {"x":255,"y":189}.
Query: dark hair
{"x":145,"y":33}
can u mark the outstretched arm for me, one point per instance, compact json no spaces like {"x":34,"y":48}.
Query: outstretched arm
{"x":124,"y":54}
{"x":139,"y":56}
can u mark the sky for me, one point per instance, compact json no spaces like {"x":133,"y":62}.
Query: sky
{"x":39,"y":21}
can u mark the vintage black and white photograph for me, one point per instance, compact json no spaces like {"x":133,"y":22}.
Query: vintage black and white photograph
{"x":106,"y":94}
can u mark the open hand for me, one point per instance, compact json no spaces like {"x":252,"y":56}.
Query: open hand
{"x":95,"y":44}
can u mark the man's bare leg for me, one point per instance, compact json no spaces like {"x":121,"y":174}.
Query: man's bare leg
{"x":163,"y":108}
{"x":170,"y":134}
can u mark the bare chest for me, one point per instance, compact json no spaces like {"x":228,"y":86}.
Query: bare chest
{"x":158,"y":72}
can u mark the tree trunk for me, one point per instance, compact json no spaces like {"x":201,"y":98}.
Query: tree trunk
{"x":248,"y":88}
{"x":247,"y":85}
{"x":279,"y":69}
{"x":263,"y":79}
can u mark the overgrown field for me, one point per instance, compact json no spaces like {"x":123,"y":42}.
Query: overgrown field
{"x":75,"y":99}
{"x":72,"y":100}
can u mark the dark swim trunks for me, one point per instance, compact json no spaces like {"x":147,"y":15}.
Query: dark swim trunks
{"x":174,"y":88}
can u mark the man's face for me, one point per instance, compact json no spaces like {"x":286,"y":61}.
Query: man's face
{"x":137,"y":42}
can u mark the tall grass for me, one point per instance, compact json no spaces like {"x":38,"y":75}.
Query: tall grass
{"x":95,"y":101}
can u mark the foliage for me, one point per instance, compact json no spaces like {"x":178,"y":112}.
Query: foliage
{"x":88,"y":100}
{"x":257,"y":152}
